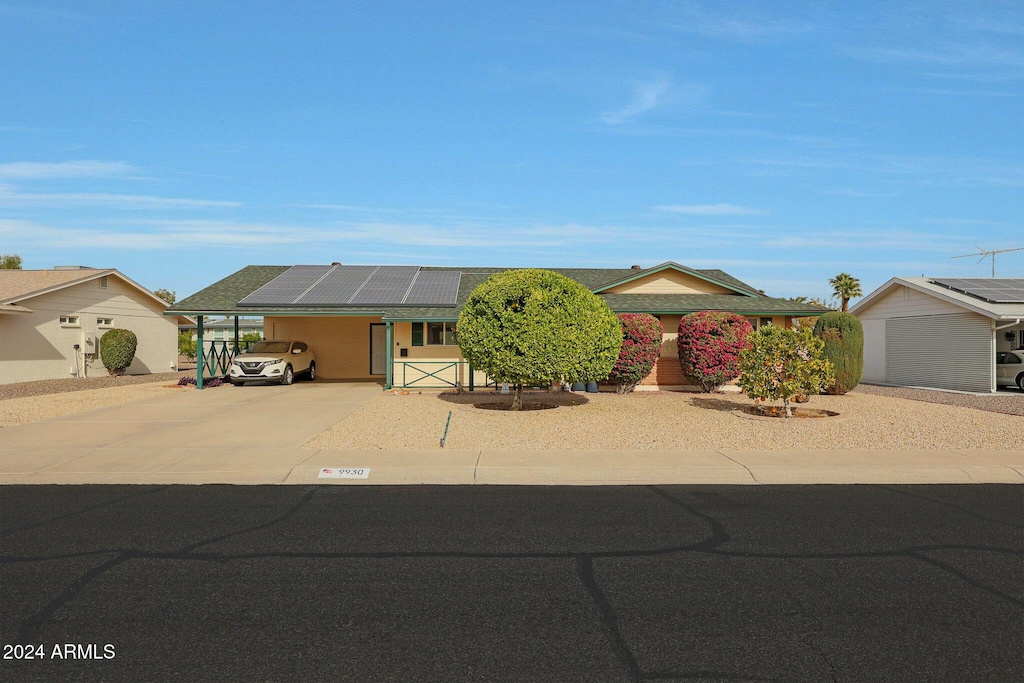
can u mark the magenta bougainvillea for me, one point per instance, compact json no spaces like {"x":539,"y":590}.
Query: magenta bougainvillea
{"x":641,"y":346}
{"x":709,"y":346}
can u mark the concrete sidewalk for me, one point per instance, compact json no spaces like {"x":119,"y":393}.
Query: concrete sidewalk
{"x":270,"y":465}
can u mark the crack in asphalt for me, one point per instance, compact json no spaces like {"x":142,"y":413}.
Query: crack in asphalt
{"x":97,"y":506}
{"x":30,"y":628}
{"x":584,"y":563}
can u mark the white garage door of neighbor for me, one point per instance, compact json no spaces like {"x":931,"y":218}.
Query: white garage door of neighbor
{"x":944,"y":351}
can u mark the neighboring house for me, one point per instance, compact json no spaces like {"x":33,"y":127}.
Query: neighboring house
{"x":223,"y":329}
{"x":44,"y":314}
{"x":397,"y":323}
{"x":940,"y":333}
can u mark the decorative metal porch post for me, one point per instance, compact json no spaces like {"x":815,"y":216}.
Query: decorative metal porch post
{"x":236,"y":336}
{"x":200,"y":355}
{"x":389,"y":356}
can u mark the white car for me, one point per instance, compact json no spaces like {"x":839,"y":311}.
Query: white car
{"x":1010,"y":369}
{"x":273,"y":361}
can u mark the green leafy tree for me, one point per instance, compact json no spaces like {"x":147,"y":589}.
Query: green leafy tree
{"x":781,"y":364}
{"x":844,"y":348}
{"x":845,"y":287}
{"x":186,"y":345}
{"x":167,"y":295}
{"x":250,"y":337}
{"x":117,"y":350}
{"x":641,"y":346}
{"x":10,"y":262}
{"x":535,"y":326}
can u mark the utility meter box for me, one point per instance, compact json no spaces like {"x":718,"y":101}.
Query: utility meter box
{"x":89,"y":343}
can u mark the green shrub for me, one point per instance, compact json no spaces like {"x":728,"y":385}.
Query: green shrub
{"x":117,"y":349}
{"x":535,"y":326}
{"x":844,"y":348}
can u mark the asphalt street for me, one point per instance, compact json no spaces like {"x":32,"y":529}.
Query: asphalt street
{"x":416,"y":583}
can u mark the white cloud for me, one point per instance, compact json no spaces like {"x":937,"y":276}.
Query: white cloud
{"x":31,"y":170}
{"x":647,"y":97}
{"x":11,"y":197}
{"x":710,"y":210}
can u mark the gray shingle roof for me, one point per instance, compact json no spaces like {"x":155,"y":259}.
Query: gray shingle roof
{"x":222,"y":297}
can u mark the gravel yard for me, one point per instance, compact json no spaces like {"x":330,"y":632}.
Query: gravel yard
{"x":44,"y":399}
{"x":656,"y":420}
{"x":1006,"y":401}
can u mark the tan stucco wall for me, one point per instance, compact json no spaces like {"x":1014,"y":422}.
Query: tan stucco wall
{"x":341,"y":345}
{"x":669,"y":282}
{"x":427,"y":358}
{"x":35,"y":346}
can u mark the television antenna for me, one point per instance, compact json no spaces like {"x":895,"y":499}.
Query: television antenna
{"x":985,"y":254}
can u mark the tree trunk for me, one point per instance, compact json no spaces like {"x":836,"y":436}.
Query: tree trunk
{"x":785,"y":403}
{"x":517,"y":397}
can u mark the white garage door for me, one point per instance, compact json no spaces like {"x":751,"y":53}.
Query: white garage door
{"x":943,"y":351}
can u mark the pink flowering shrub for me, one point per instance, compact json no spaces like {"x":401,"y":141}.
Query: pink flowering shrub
{"x":709,"y":346}
{"x":641,"y":346}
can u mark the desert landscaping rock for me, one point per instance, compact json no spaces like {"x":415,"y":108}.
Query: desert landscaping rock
{"x":669,"y":420}
{"x":28,"y":402}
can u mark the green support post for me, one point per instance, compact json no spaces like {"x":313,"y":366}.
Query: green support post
{"x":200,"y":356}
{"x":471,"y":387}
{"x":389,"y":356}
{"x":236,"y":335}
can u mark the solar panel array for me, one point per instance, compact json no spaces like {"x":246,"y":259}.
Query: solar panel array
{"x":993,"y":290}
{"x":358,"y":286}
{"x":434,"y":285}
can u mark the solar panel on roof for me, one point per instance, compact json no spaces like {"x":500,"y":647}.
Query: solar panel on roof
{"x":993,"y":290}
{"x":337,"y":288}
{"x":387,"y":285}
{"x":358,"y":286}
{"x":434,"y":288}
{"x":286,"y":287}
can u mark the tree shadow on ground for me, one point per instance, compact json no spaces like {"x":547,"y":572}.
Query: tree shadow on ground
{"x":547,"y":398}
{"x":720,"y":404}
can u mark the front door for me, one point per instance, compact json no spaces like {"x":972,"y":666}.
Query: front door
{"x":378,"y":349}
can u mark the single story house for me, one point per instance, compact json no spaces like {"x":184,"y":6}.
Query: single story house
{"x":941,"y":333}
{"x":396,"y":324}
{"x":51,"y":322}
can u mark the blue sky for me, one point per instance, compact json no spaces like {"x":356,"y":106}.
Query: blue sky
{"x":781,"y":142}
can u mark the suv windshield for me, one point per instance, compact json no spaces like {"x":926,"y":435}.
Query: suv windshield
{"x":269,"y":347}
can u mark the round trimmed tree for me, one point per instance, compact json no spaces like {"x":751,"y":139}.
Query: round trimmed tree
{"x":709,"y":345}
{"x":844,"y":348}
{"x":117,"y":350}
{"x":535,"y":326}
{"x":641,"y":346}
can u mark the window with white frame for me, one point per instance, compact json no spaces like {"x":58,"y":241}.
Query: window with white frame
{"x":104,"y":322}
{"x":69,"y":321}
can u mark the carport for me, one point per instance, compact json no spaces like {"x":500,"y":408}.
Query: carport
{"x":347,"y":315}
{"x":940,"y":333}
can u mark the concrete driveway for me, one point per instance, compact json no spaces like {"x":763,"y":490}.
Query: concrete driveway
{"x":227,"y":430}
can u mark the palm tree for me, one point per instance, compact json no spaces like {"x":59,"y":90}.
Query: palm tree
{"x":845,"y":287}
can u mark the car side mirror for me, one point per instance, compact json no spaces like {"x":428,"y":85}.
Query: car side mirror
{"x":296,"y":350}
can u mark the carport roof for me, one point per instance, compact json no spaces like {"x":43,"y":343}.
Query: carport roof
{"x":222,"y":297}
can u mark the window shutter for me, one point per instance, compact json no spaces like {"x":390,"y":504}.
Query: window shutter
{"x":417,"y":334}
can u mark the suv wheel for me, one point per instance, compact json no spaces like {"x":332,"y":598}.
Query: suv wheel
{"x":289,"y":376}
{"x":312,"y":371}
{"x":1020,"y":381}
